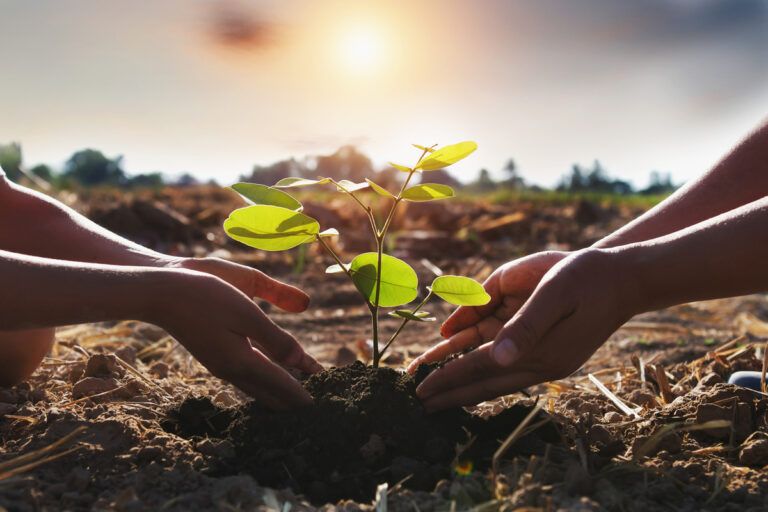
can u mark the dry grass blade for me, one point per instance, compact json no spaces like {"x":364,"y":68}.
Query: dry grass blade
{"x":613,"y":398}
{"x":22,"y":460}
{"x":32,"y":465}
{"x":142,"y":377}
{"x":664,"y":431}
{"x":664,"y":390}
{"x":763,"y":386}
{"x":514,"y":436}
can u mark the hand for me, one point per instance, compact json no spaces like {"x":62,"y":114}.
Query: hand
{"x":233,"y":338}
{"x":509,"y":286}
{"x":250,"y":281}
{"x":577,"y":305}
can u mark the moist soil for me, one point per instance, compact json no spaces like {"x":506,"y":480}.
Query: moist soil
{"x":365,"y":428}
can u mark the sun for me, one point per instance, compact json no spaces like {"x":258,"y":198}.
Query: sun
{"x":362,"y":49}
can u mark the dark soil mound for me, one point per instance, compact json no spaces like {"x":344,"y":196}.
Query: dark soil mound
{"x":367,"y":427}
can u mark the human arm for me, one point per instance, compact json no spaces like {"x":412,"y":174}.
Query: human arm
{"x":585,"y":297}
{"x":41,"y":226}
{"x":740,"y":178}
{"x":211,"y":318}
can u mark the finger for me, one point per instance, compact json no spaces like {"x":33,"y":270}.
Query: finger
{"x":470,"y":337}
{"x":268,"y":383}
{"x":466,"y":316}
{"x":278,"y":343}
{"x":474,"y":366}
{"x":280,"y":294}
{"x":476,"y":392}
{"x":548,"y":305}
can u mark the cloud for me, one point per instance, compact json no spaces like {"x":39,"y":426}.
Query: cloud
{"x":233,"y":25}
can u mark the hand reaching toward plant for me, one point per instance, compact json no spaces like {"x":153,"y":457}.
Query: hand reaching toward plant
{"x":585,"y":297}
{"x":574,"y":308}
{"x":250,"y":281}
{"x":509,"y":287}
{"x":235,"y":340}
{"x":216,"y":322}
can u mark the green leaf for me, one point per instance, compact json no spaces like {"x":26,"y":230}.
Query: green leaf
{"x":418,"y":316}
{"x":300,"y":182}
{"x":379,"y":189}
{"x":399,"y":284}
{"x":428,"y":192}
{"x":262,"y":194}
{"x":423,"y":148}
{"x":401,"y":168}
{"x":271,"y":228}
{"x":336,"y":268}
{"x":461,"y":291}
{"x":446,"y":156}
{"x":350,"y":186}
{"x":329,"y":232}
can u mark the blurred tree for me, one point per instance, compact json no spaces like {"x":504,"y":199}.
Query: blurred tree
{"x":484,"y":181}
{"x":659,"y":183}
{"x":514,"y":180}
{"x":91,"y":167}
{"x":43,"y":171}
{"x":271,"y":174}
{"x":593,"y":180}
{"x":442,"y":177}
{"x":10,"y":160}
{"x":348,"y":163}
{"x":146,"y":180}
{"x":186,"y":180}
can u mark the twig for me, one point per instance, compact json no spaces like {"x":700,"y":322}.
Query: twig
{"x":613,"y":398}
{"x":763,"y":386}
{"x":514,"y":436}
{"x":28,"y":457}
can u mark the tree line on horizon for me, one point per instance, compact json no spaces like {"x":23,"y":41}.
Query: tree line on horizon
{"x":90,"y":167}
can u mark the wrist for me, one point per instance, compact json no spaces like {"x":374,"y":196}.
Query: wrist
{"x":633,"y":289}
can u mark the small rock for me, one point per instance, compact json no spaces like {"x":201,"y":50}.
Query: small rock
{"x":159,"y":369}
{"x":643,"y":398}
{"x":613,"y":417}
{"x":670,"y":443}
{"x":92,"y":386}
{"x":127,"y":354}
{"x":345,"y":357}
{"x":103,"y":365}
{"x":742,"y":426}
{"x":600,"y":435}
{"x":218,"y":448}
{"x":708,"y":380}
{"x":754,"y":451}
{"x":373,"y":449}
{"x":225,"y":398}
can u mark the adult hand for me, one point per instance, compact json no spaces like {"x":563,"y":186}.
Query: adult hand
{"x":509,"y":286}
{"x":233,"y":338}
{"x":577,"y":305}
{"x":250,"y":281}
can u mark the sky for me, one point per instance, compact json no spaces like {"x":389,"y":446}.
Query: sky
{"x":212,"y":87}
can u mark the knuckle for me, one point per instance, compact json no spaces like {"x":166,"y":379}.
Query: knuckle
{"x":526,"y":334}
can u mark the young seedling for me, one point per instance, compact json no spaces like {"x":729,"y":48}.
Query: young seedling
{"x":275,"y":222}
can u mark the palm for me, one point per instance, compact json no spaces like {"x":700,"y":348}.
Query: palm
{"x":509,"y":286}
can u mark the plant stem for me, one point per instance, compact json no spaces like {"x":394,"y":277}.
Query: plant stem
{"x":335,"y":257}
{"x":380,"y":237}
{"x":366,"y":209}
{"x":403,"y":324}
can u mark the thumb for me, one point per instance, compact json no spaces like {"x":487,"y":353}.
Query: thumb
{"x":547,"y":306}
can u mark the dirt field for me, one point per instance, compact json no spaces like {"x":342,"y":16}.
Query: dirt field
{"x":106,"y":423}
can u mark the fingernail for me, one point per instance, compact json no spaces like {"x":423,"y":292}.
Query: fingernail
{"x":505,"y":352}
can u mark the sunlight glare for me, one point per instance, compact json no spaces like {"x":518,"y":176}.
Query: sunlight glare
{"x":361,"y":49}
